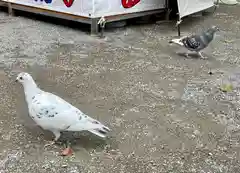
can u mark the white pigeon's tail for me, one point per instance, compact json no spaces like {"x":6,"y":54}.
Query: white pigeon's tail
{"x":102,"y":132}
{"x":177,"y":41}
{"x":92,"y":126}
{"x":97,"y":128}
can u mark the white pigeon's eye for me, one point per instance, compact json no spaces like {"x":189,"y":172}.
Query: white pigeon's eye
{"x":21,"y":78}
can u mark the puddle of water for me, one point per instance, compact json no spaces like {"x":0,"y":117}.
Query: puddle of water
{"x":193,"y":93}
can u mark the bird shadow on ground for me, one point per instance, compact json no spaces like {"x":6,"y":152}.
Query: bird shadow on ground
{"x":87,"y":141}
{"x":78,"y":140}
{"x":192,"y":55}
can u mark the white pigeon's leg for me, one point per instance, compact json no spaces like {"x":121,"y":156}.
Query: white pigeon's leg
{"x":49,"y":144}
{"x":57,"y":135}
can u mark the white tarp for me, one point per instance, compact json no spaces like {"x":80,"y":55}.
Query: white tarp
{"x":99,"y":8}
{"x":187,"y":7}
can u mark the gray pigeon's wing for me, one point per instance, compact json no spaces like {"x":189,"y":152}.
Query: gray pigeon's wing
{"x":194,"y":43}
{"x":198,"y":42}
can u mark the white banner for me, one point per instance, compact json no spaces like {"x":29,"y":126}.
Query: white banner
{"x":76,"y":7}
{"x":94,"y":8}
{"x":187,"y":7}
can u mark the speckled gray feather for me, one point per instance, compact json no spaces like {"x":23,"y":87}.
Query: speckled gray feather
{"x":199,"y":42}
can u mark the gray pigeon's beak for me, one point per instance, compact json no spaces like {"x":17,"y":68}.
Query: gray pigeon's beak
{"x":16,"y":80}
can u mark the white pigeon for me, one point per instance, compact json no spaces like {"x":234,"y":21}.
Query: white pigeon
{"x":55,"y":114}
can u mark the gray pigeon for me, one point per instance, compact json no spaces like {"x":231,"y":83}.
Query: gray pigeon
{"x":196,"y":43}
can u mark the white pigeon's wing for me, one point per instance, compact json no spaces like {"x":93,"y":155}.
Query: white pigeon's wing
{"x":81,"y":120}
{"x":51,"y":112}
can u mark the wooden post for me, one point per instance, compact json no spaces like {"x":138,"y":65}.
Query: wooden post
{"x":94,"y":26}
{"x":10,"y":10}
{"x":168,"y":11}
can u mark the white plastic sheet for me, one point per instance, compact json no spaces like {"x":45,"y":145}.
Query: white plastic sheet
{"x":187,"y":7}
{"x":94,"y":8}
{"x":99,"y":8}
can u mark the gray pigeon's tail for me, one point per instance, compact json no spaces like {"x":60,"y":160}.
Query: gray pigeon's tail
{"x":177,"y":41}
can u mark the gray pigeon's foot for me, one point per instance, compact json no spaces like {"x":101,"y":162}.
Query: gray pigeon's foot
{"x":184,"y":54}
{"x":187,"y":55}
{"x":201,"y":56}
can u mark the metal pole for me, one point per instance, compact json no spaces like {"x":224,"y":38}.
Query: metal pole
{"x":179,"y":30}
{"x":178,"y":26}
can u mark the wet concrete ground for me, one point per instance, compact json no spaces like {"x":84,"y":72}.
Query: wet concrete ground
{"x":166,"y":112}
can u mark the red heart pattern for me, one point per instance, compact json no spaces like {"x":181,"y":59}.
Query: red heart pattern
{"x":68,"y":3}
{"x":125,"y":3}
{"x":129,"y":3}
